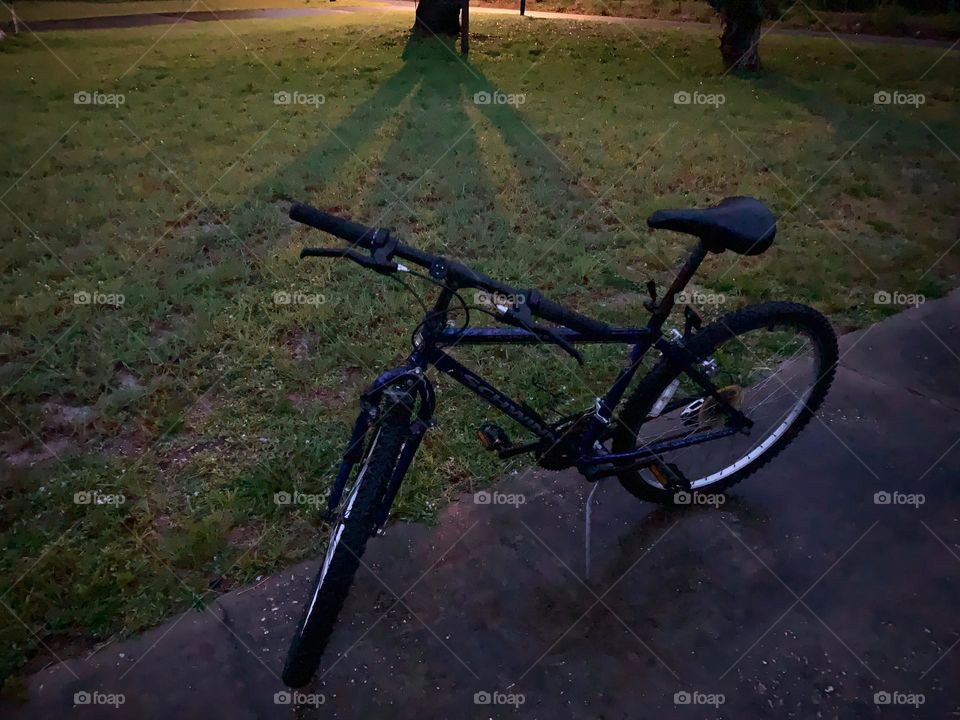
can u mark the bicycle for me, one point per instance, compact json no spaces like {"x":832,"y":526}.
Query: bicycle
{"x":713,"y":389}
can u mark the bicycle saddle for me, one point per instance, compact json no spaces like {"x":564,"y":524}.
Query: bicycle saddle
{"x":741,"y":224}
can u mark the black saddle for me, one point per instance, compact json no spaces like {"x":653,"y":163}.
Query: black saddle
{"x":741,"y":224}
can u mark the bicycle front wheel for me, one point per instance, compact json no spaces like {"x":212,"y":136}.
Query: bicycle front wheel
{"x":348,"y":540}
{"x":774,"y":362}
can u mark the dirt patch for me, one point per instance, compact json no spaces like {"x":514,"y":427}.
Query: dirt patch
{"x":344,"y":391}
{"x":283,"y":212}
{"x":129,"y":445}
{"x":175,"y":460}
{"x":69,"y":417}
{"x":163,"y":332}
{"x":244,"y":536}
{"x":52,"y":449}
{"x":126,"y":380}
{"x":198,"y":415}
{"x":197,"y":221}
{"x":300,"y":348}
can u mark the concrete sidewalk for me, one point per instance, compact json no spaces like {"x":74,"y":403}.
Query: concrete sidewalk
{"x":145,"y":19}
{"x":801,"y":597}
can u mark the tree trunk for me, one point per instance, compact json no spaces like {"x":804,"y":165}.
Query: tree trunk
{"x":740,"y":42}
{"x":438,"y":17}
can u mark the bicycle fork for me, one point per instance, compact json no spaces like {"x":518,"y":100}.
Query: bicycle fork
{"x":405,"y":386}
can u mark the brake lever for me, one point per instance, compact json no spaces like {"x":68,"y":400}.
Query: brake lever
{"x":375,"y":264}
{"x":524,"y":318}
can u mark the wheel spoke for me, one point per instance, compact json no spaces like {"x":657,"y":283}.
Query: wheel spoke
{"x":769,"y":374}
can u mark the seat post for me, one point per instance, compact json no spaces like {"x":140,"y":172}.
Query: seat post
{"x":686,"y":272}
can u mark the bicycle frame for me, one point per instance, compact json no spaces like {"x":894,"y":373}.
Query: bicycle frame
{"x":592,"y":459}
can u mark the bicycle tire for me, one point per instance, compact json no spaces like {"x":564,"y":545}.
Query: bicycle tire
{"x":333,"y":581}
{"x":754,"y":317}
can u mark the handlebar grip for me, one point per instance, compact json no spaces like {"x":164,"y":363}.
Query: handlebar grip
{"x":344,"y":229}
{"x":549,"y":310}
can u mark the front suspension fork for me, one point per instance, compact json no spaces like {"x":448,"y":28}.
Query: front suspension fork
{"x":418,"y":429}
{"x":352,"y":455}
{"x":416,"y":385}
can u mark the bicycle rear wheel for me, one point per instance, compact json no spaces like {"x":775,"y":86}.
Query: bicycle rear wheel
{"x":348,"y":540}
{"x":774,"y":362}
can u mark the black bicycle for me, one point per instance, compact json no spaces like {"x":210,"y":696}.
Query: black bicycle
{"x":721,"y":402}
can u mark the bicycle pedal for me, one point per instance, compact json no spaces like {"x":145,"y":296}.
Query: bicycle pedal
{"x":670,"y":476}
{"x":493,"y":437}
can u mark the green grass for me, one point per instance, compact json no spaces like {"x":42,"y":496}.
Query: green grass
{"x":199,"y":398}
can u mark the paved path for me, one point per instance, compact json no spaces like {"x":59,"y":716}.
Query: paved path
{"x":799,"y":598}
{"x":144,"y":19}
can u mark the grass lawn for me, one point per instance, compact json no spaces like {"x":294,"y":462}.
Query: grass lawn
{"x":199,"y":397}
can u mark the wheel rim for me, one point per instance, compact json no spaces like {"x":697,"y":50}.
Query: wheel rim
{"x":776,"y":371}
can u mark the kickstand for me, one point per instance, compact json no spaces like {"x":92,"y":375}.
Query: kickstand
{"x":586,"y":546}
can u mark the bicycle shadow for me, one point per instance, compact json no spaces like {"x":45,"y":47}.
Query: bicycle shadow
{"x":696,"y":523}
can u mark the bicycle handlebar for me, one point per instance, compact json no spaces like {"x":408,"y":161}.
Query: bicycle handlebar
{"x":348,"y":230}
{"x":462,"y":275}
